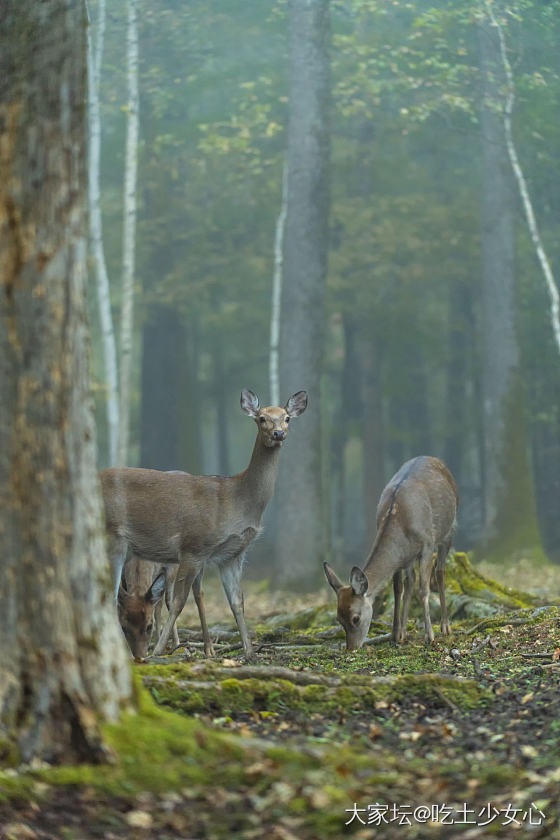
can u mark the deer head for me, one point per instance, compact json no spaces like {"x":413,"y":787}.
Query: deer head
{"x":273,"y":422}
{"x":354,"y":608}
{"x":136,"y":615}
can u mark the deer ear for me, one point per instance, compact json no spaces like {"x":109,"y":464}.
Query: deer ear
{"x":358,"y":581}
{"x":332,"y":577}
{"x":297,"y":404}
{"x":249,"y":402}
{"x":157,"y":590}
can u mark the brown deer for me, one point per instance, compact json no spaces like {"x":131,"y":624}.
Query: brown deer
{"x":416,"y":514}
{"x":140,"y":599}
{"x":190,"y":520}
{"x":140,"y":593}
{"x":139,"y":611}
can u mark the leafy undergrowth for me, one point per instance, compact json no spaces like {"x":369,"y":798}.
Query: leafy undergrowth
{"x":286,"y":746}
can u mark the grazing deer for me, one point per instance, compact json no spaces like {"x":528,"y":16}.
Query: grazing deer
{"x":140,"y":599}
{"x":416,"y":514}
{"x":139,"y":610}
{"x":191,"y":519}
{"x":139,"y":595}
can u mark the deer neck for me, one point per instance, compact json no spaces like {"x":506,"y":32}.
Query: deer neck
{"x":258,"y":480}
{"x":384,"y":560}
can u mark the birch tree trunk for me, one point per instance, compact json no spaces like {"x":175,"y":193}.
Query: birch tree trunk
{"x":64,"y":666}
{"x":276,"y":313}
{"x":509,"y":496}
{"x":95,"y":57}
{"x":522,"y":184}
{"x":129,"y":232}
{"x":299,"y":501}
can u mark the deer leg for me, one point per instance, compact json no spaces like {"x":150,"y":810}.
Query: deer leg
{"x":442,"y":552}
{"x":188,"y":570}
{"x":409,"y":581}
{"x":199,"y":598}
{"x":425,"y":575}
{"x":397,"y":590}
{"x":116,"y":549}
{"x":230,"y":574}
{"x":157,"y":617}
{"x":172,"y":572}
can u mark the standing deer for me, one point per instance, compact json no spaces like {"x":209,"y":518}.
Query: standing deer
{"x":416,"y":514}
{"x":190,"y":520}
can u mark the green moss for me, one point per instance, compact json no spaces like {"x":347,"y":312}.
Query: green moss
{"x":463,"y":577}
{"x":9,"y":753}
{"x":355,"y":693}
{"x":465,"y":694}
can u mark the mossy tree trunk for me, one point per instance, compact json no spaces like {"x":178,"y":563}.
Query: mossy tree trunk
{"x":510,"y":516}
{"x":64,"y":665}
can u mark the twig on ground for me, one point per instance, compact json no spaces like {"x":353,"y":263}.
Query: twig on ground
{"x":376,"y":640}
{"x":481,"y":645}
{"x":449,"y":702}
{"x":515,"y":622}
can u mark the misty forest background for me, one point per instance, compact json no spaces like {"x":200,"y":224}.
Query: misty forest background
{"x":421,"y":324}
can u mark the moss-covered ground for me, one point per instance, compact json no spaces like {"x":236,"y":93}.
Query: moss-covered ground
{"x":285,"y":746}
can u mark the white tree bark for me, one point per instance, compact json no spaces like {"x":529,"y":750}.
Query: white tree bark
{"x":129,"y":230}
{"x":522,"y":184}
{"x":274,"y":376}
{"x":94,"y":56}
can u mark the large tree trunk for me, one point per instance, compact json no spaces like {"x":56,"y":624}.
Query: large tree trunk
{"x":509,"y":496}
{"x":64,"y":665}
{"x":299,"y":503}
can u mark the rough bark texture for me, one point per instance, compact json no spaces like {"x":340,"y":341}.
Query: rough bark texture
{"x":301,"y":529}
{"x":64,"y":664}
{"x":509,"y":496}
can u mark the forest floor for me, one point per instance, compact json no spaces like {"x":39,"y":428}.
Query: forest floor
{"x":459,"y":740}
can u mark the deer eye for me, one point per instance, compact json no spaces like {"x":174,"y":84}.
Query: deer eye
{"x":262,"y":419}
{"x":288,"y":418}
{"x":355,"y":620}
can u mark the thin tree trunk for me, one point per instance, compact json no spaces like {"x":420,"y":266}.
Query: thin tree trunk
{"x":95,"y":56}
{"x":510,"y":506}
{"x":129,"y":231}
{"x":64,"y":666}
{"x":299,"y":500}
{"x":222,"y":406}
{"x":274,"y":375}
{"x":457,"y":413}
{"x":373,"y":434}
{"x":522,"y":185}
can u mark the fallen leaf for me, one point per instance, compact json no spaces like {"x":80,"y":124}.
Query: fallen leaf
{"x":19,"y":831}
{"x":375,"y":731}
{"x":139,"y":819}
{"x":528,"y":751}
{"x":527,"y":697}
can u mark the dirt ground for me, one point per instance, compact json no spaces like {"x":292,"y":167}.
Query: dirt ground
{"x":412,"y":764}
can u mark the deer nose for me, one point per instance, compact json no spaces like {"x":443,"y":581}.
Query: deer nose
{"x":278,"y":434}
